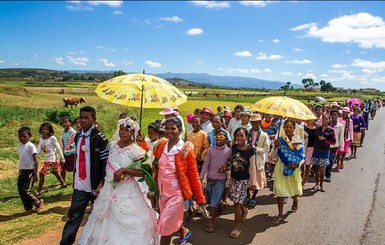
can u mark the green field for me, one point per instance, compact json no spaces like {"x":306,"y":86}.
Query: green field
{"x":22,"y":105}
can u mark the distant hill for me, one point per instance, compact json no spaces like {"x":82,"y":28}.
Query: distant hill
{"x":178,"y":79}
{"x":224,"y":81}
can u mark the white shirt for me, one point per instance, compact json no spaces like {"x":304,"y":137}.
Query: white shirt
{"x":25,"y":154}
{"x":231,"y":128}
{"x":79,"y":184}
{"x":207,"y":126}
{"x":50,"y":147}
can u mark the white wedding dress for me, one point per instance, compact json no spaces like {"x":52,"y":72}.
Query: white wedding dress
{"x":120,"y":215}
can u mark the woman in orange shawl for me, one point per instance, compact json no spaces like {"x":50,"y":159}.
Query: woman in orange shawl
{"x":178,"y":180}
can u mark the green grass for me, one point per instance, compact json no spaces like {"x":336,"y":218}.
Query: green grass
{"x":14,"y":227}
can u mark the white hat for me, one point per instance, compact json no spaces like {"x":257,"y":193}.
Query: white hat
{"x":334,"y":103}
{"x":295,"y":139}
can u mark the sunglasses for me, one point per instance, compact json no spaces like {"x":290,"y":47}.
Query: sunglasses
{"x":221,"y":137}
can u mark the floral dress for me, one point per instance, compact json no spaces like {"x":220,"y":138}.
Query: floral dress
{"x":120,"y":214}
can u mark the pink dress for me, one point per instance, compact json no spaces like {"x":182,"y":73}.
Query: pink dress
{"x":170,"y":198}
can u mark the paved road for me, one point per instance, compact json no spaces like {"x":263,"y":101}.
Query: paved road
{"x":351,"y":211}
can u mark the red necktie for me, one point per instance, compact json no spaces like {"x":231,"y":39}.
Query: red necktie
{"x":82,"y":159}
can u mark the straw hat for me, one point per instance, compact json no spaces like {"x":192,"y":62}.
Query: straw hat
{"x":255,"y":118}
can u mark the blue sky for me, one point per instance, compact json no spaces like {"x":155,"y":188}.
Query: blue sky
{"x":336,"y":41}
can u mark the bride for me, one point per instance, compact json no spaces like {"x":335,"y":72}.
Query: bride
{"x":121,"y":215}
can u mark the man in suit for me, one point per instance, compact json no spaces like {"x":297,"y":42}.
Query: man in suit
{"x":259,"y":140}
{"x":89,"y":172}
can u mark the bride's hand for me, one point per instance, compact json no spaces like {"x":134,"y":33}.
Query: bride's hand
{"x":119,"y":175}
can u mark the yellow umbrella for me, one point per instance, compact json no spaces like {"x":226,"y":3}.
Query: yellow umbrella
{"x":285,"y":107}
{"x":142,"y":91}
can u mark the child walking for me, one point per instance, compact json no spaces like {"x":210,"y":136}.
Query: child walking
{"x":68,"y":142}
{"x":28,"y":166}
{"x":49,"y":145}
{"x":216,"y":157}
{"x":243,"y":170}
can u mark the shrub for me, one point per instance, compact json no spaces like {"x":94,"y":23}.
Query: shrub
{"x":56,"y":114}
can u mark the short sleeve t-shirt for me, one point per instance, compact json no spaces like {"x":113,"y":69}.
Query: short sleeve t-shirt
{"x":241,"y":162}
{"x":25,"y":155}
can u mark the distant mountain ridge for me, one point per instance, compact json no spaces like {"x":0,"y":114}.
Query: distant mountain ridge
{"x":227,"y":81}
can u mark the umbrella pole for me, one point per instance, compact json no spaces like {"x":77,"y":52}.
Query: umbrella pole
{"x":141,"y":109}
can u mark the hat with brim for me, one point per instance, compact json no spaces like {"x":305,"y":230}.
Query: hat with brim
{"x":346,"y":109}
{"x":246,"y":112}
{"x":255,"y":118}
{"x":167,"y":111}
{"x":334,"y":103}
{"x":207,"y":110}
{"x":227,"y":114}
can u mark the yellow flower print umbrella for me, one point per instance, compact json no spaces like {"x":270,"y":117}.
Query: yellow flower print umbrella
{"x":285,"y":107}
{"x":141,"y":91}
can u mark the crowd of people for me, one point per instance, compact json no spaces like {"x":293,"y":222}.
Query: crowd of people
{"x":197,"y":168}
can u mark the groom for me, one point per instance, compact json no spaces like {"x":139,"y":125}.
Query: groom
{"x":90,"y":164}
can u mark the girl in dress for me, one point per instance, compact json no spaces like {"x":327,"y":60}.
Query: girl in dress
{"x":321,"y":154}
{"x":49,"y":145}
{"x":120,"y":214}
{"x":68,"y":142}
{"x":243,"y":170}
{"x":178,"y":180}
{"x":358,"y":126}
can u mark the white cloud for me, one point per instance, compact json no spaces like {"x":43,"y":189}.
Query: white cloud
{"x":79,"y":7}
{"x":365,"y":29}
{"x":338,"y":66}
{"x":127,"y":63}
{"x":263,"y":56}
{"x":16,"y":64}
{"x":100,"y":47}
{"x":199,"y":62}
{"x":368,"y":64}
{"x":243,"y":54}
{"x":212,"y":4}
{"x":153,"y":64}
{"x":275,"y":40}
{"x":298,"y":49}
{"x":299,"y":62}
{"x":2,"y":61}
{"x":174,"y":19}
{"x":113,"y":4}
{"x":117,"y":12}
{"x":107,"y":63}
{"x":324,"y":75}
{"x":125,"y":49}
{"x":194,"y":31}
{"x":310,"y":75}
{"x":260,"y":40}
{"x":81,"y":61}
{"x":286,"y":73}
{"x":59,"y":60}
{"x":303,"y":27}
{"x":147,"y":21}
{"x":372,"y":71}
{"x":339,"y":71}
{"x":259,"y":4}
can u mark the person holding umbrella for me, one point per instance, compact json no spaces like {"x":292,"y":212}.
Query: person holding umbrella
{"x":287,"y":176}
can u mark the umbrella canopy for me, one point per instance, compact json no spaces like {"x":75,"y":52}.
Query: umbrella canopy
{"x":285,"y":107}
{"x":354,"y":101}
{"x":319,"y":99}
{"x":141,"y":91}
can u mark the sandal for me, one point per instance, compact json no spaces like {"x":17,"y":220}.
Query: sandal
{"x":294,"y":207}
{"x":277,"y":219}
{"x":235,"y":233}
{"x":252,"y":203}
{"x":246,"y":201}
{"x":210,"y":228}
{"x":244,"y":215}
{"x":184,"y":240}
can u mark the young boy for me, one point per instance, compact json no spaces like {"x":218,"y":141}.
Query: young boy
{"x":90,"y":164}
{"x":28,"y":166}
{"x":217,"y":156}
